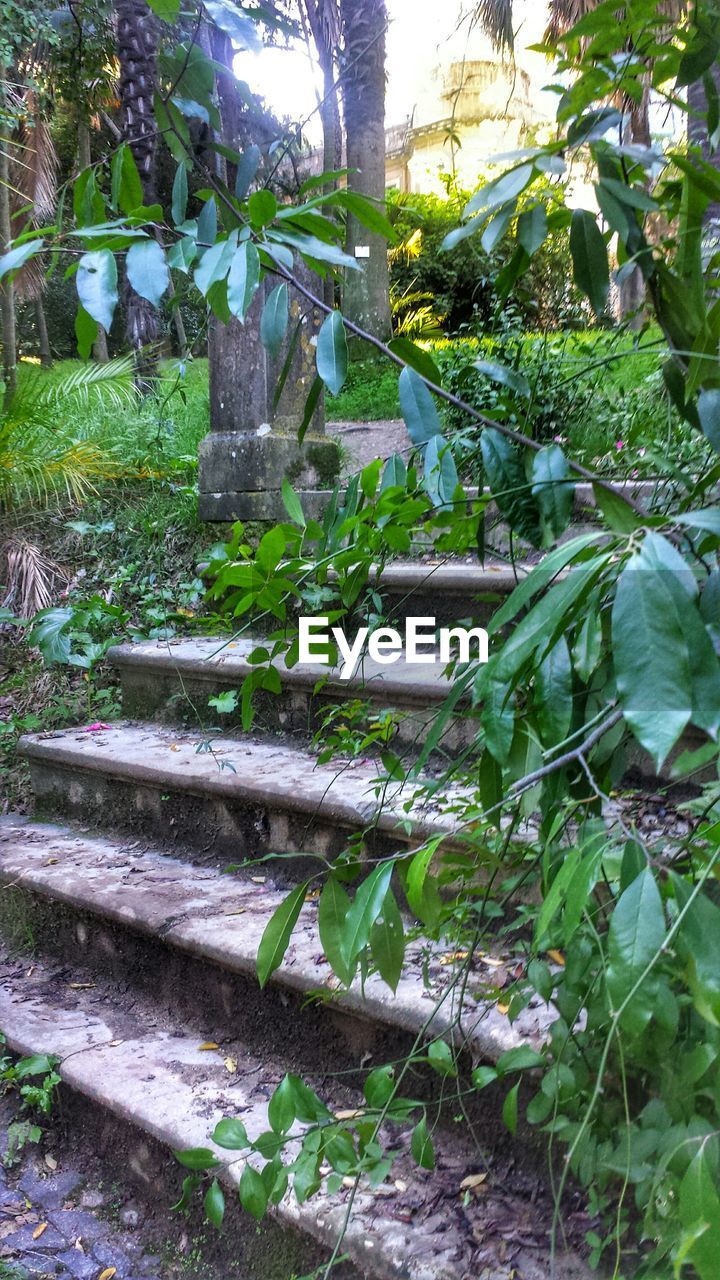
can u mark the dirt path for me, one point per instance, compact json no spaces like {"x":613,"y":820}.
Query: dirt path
{"x":365,"y":441}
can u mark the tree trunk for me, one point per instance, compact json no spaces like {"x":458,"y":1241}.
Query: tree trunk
{"x":7,"y":292}
{"x":698,"y":136}
{"x":178,"y":322}
{"x":137,"y":41}
{"x":366,"y":299}
{"x":43,"y":339}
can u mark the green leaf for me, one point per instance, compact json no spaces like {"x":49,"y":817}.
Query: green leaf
{"x":253,"y":1195}
{"x":281,"y":1108}
{"x":440,"y":473}
{"x":532,"y":229}
{"x":16,"y":257}
{"x":418,"y":408}
{"x":50,"y":634}
{"x":379,"y":1086}
{"x":418,"y":359}
{"x":241,"y":29}
{"x":207,"y":227}
{"x":651,"y":657}
{"x":387,"y":942}
{"x":441,"y":1059}
{"x":618,"y":513}
{"x":506,"y":187}
{"x":126,"y":187}
{"x":96,"y":282}
{"x":498,"y":720}
{"x":699,"y":1206}
{"x":553,"y":491}
{"x":147,"y":270}
{"x":197,"y":1158}
{"x":309,"y":1109}
{"x":243,"y":279}
{"x":224,"y":703}
{"x":363,"y":913}
{"x":708,"y":407}
{"x":636,"y":934}
{"x":246,"y":171}
{"x":590,"y":259}
{"x":311,"y":405}
{"x":274,"y":322}
{"x":510,"y":1109}
{"x":166,"y":10}
{"x":278,"y":931}
{"x":180,"y":195}
{"x":587,"y":647}
{"x":86,"y":331}
{"x":521,"y":1059}
{"x":332,"y":353}
{"x":292,"y":503}
{"x":420,"y":889}
{"x":699,"y":947}
{"x":505,"y":471}
{"x":484,"y":1076}
{"x":421,"y":1145}
{"x":503,"y":374}
{"x":215,"y":264}
{"x":231,"y":1134}
{"x":553,"y":694}
{"x":214,"y":1204}
{"x":262,"y":208}
{"x":332,"y":913}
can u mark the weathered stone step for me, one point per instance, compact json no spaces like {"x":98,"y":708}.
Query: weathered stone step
{"x":128,"y":1058}
{"x":233,"y":798}
{"x":173,"y":681}
{"x":220,"y":919}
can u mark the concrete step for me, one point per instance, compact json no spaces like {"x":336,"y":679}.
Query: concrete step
{"x":123,"y":1054}
{"x":102,"y":890}
{"x":172,"y":681}
{"x":226,"y":798}
{"x":446,"y":590}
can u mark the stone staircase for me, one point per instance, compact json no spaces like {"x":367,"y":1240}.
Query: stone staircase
{"x":145,"y":952}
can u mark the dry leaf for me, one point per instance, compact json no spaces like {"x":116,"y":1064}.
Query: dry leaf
{"x":108,"y":1273}
{"x":258,"y":879}
{"x":240,"y":912}
{"x":113,"y":1044}
{"x":400,"y":1186}
{"x":494,"y":964}
{"x":472,"y":1181}
{"x":502,"y":1008}
{"x":81,"y":986}
{"x":558,"y":957}
{"x":231,"y":1065}
{"x":174,"y":746}
{"x":51,"y":1162}
{"x":39,"y":1230}
{"x":312,"y":895}
{"x":51,"y":862}
{"x":208,"y":1044}
{"x":349,"y":1115}
{"x":452,"y":956}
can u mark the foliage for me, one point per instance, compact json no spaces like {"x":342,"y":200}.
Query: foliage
{"x":35,"y":1081}
{"x":605,"y":649}
{"x":463,"y":285}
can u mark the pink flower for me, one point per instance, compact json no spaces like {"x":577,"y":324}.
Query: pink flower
{"x":619,"y":444}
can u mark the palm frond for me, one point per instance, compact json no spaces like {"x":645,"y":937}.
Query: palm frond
{"x":113,"y":380}
{"x":495,"y":18}
{"x":29,"y":578}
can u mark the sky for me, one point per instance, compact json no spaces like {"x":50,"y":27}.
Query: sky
{"x":421,"y":33}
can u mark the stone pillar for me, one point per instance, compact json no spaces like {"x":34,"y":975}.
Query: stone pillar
{"x":252,"y":445}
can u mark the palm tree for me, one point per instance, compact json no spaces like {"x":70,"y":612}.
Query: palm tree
{"x":366,"y":298}
{"x":137,"y":46}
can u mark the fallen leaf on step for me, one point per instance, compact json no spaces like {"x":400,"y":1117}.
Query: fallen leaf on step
{"x":81,"y":986}
{"x":258,"y":879}
{"x":558,"y":957}
{"x":108,"y":1273}
{"x":231,"y":1065}
{"x":113,"y":1044}
{"x":174,"y":746}
{"x":208,"y":1044}
{"x":400,"y":1185}
{"x":95,"y":728}
{"x":51,"y":1162}
{"x":349,"y":1115}
{"x":452,"y":956}
{"x":51,"y":862}
{"x":494,"y":964}
{"x":240,"y":912}
{"x":312,"y":895}
{"x":39,"y":1230}
{"x":502,"y":1008}
{"x":472,"y":1181}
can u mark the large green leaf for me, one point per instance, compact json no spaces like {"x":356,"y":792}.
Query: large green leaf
{"x":147,"y":270}
{"x":590,"y":258}
{"x":553,"y":491}
{"x":50,"y":634}
{"x":418,"y":408}
{"x":553,"y":694}
{"x":274,"y":322}
{"x":247,"y":168}
{"x":708,"y":407}
{"x":501,"y":190}
{"x":180,"y":195}
{"x":698,"y":943}
{"x":635,"y":936}
{"x":96,"y":282}
{"x":699,"y":1207}
{"x":363,"y":913}
{"x":332,"y":353}
{"x":332,"y":914}
{"x":277,"y":934}
{"x":651,"y":656}
{"x":505,"y":375}
{"x":243,"y":279}
{"x":387,"y":942}
{"x":16,"y":257}
{"x":215,"y":263}
{"x":508,"y":481}
{"x":532,"y":229}
{"x":126,"y":187}
{"x":418,"y":359}
{"x":440,"y":472}
{"x":241,"y":29}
